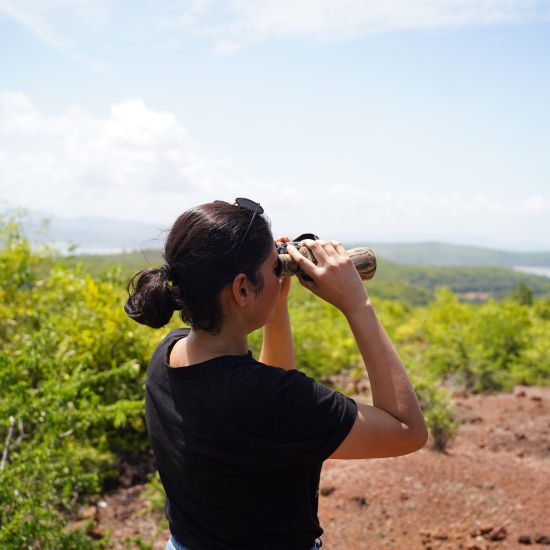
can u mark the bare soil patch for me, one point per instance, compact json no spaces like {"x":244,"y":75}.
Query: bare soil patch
{"x":490,"y":490}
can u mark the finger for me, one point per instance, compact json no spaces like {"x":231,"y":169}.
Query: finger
{"x":281,"y":240}
{"x":325,"y":253}
{"x":338,"y":246}
{"x":317,"y":247}
{"x":305,"y":264}
{"x":330,"y":248}
{"x":310,"y":285}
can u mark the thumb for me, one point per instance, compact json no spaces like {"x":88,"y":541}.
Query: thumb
{"x":308,"y":283}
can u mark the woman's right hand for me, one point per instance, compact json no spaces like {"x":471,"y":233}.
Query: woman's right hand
{"x":335,"y":278}
{"x":393,"y":425}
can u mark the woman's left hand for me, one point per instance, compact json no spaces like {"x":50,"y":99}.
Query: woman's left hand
{"x":277,"y":347}
{"x":285,"y":281}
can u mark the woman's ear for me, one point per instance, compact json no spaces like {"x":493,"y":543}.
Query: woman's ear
{"x":241,"y":289}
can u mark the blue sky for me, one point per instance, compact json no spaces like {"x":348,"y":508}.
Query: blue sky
{"x":380,"y":120}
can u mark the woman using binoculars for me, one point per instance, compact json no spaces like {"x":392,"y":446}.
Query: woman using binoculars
{"x":239,"y":443}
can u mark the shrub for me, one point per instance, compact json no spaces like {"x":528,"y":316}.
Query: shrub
{"x":72,"y":370}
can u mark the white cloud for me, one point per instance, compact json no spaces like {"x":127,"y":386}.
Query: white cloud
{"x":359,"y":214}
{"x":226,"y":47}
{"x":135,"y":162}
{"x":75,"y":162}
{"x":326,"y":20}
{"x":168,"y":45}
{"x":536,"y":204}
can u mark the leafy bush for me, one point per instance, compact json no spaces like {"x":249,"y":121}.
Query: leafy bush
{"x":438,"y":412}
{"x":532,"y":365}
{"x":72,"y":370}
{"x":486,"y":347}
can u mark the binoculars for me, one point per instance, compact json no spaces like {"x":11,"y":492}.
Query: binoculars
{"x":363,"y":258}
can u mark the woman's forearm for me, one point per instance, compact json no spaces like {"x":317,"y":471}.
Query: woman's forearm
{"x":277,"y":347}
{"x":391,"y":388}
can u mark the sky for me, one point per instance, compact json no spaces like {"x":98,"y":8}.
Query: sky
{"x":362,"y":120}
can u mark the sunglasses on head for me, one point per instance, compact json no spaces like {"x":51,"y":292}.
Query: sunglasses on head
{"x":253,"y":207}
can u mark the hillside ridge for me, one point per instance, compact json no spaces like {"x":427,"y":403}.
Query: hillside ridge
{"x":437,"y":253}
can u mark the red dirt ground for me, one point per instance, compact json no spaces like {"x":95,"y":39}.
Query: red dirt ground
{"x":490,"y":490}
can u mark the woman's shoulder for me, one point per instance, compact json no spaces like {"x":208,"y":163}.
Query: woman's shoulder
{"x":163,"y":348}
{"x":173,"y":336}
{"x":250,"y":375}
{"x":176,"y":334}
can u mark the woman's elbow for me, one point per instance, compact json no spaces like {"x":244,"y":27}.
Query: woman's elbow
{"x":420,"y":439}
{"x":411,"y":438}
{"x":417,"y":438}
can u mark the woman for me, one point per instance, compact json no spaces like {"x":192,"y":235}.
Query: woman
{"x":239,"y":443}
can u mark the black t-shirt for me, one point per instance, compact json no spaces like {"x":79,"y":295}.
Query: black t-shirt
{"x":239,"y":447}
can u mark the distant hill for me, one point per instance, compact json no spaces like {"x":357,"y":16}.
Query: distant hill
{"x":98,"y":235}
{"x":414,"y":284}
{"x":129,"y":262}
{"x":94,"y":234}
{"x":472,"y":283}
{"x":406,"y":271}
{"x":440,"y":254}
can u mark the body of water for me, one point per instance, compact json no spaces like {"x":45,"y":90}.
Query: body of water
{"x":534,"y":270}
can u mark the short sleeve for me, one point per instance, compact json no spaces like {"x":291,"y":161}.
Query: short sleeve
{"x":295,"y":419}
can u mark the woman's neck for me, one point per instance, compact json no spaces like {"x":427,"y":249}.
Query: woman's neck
{"x":200,"y":346}
{"x":226,"y":342}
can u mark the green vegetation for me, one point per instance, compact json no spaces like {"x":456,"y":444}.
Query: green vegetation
{"x":488,"y":347}
{"x":476,"y":284}
{"x":414,"y":285}
{"x":128,"y":262}
{"x":72,"y":370}
{"x":71,"y":379}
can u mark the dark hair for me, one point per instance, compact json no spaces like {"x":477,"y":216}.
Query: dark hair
{"x":200,"y":261}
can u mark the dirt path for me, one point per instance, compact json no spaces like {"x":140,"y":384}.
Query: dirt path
{"x":491,"y":490}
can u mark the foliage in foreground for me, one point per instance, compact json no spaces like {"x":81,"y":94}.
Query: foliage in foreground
{"x":480,"y":348}
{"x":71,"y":394}
{"x":72,"y":369}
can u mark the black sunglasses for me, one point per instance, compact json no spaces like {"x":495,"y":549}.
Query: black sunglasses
{"x":252,"y":207}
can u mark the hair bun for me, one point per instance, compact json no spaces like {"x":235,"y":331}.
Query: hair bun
{"x":151,"y":300}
